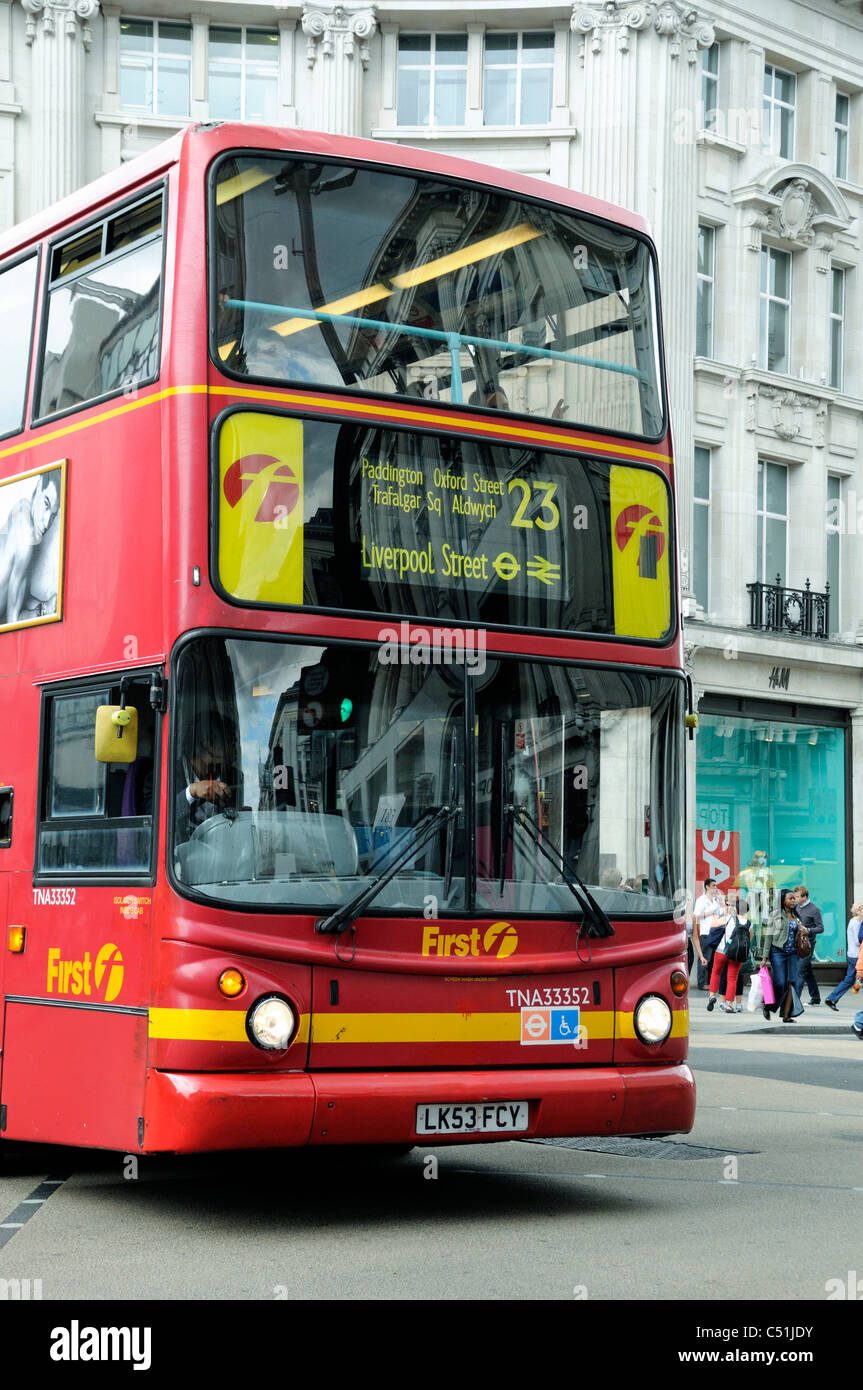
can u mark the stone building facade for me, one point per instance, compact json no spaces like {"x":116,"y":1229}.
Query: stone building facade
{"x":740,"y":137}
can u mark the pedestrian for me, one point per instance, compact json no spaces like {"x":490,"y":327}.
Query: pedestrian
{"x":810,"y":916}
{"x":686,"y":912}
{"x":857,"y":1023}
{"x":780,"y":938}
{"x":709,"y":915}
{"x":854,"y":941}
{"x":736,"y":935}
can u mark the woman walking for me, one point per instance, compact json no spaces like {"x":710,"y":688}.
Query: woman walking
{"x":738,"y":916}
{"x":781,"y":935}
{"x":855,"y":940}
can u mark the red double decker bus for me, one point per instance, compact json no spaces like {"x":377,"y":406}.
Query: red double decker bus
{"x":342,"y":689}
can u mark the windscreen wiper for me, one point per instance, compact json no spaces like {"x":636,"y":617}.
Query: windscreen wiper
{"x":349,"y":911}
{"x":599,"y":924}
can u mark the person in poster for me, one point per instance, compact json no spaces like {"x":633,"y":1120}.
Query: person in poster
{"x":30,"y":548}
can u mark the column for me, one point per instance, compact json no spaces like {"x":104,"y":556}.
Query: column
{"x":642,"y":75}
{"x":199,"y":92}
{"x":475,"y":75}
{"x":59,"y":33}
{"x":337,"y":52}
{"x":9,"y":109}
{"x":287,"y":73}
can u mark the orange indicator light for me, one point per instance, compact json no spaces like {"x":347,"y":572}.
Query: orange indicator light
{"x":232,"y":983}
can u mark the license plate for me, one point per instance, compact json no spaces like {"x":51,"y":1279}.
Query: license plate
{"x":486,"y":1117}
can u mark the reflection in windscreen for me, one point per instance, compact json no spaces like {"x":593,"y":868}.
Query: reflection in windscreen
{"x":328,"y":760}
{"x":398,"y":283}
{"x":301,"y":772}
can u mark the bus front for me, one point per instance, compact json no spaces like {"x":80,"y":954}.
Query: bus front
{"x":426,"y":767}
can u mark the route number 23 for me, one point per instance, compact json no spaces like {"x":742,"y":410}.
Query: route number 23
{"x":547,"y":491}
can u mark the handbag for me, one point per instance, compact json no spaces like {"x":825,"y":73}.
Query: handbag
{"x":803,"y":943}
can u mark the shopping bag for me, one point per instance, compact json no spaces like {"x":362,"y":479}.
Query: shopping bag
{"x":756,"y":998}
{"x":766,"y":985}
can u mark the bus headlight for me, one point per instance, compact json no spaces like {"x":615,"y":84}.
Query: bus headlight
{"x":271,"y":1023}
{"x":652,"y":1019}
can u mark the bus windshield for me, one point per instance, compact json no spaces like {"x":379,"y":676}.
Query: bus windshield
{"x":395,"y":282}
{"x":301,"y":771}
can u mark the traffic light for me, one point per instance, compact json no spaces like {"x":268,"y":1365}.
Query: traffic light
{"x":325,"y":702}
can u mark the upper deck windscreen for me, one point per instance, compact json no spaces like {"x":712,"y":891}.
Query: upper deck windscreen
{"x":398,"y":283}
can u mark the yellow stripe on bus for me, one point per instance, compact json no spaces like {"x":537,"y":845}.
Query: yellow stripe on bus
{"x":347,"y":408}
{"x":229,"y":1025}
{"x":34,"y":439}
{"x":377,"y":408}
{"x":208,"y":1025}
{"x":679,"y":1025}
{"x":435,"y":1028}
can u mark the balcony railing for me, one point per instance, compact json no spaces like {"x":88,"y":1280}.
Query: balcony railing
{"x":794,"y":612}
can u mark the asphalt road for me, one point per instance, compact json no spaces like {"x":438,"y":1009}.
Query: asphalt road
{"x":764,"y":1196}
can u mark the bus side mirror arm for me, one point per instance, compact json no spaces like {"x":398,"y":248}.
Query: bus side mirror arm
{"x":158,"y":692}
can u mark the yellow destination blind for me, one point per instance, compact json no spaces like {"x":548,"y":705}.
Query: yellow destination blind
{"x":640,"y":552}
{"x":261,"y":507}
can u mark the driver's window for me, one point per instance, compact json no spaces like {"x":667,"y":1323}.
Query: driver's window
{"x":97,"y":817}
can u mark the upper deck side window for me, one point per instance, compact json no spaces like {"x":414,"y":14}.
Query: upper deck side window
{"x":394,"y":282}
{"x":17,"y":303}
{"x":104,"y":309}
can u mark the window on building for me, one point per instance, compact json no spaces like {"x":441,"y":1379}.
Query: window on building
{"x":519,"y":70}
{"x":432,"y":79}
{"x":834,"y":541}
{"x":772,"y":522}
{"x":96,"y":818}
{"x":102,"y":334}
{"x":841,"y":125}
{"x":775,"y":325}
{"x":243,"y":74}
{"x":155,"y":66}
{"x":837,"y":328}
{"x":710,"y":85}
{"x":780,"y":95}
{"x":701,"y":529}
{"x":706,"y":269}
{"x":17,"y":303}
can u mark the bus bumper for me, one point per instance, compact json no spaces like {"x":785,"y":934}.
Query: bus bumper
{"x":193,"y":1112}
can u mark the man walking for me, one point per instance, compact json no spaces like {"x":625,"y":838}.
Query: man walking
{"x":708,"y":929}
{"x":854,"y":945}
{"x":810,"y":916}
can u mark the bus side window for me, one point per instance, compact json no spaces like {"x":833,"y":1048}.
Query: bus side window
{"x":104,"y":310}
{"x":96,"y":817}
{"x":17,"y":299}
{"x":5,"y":817}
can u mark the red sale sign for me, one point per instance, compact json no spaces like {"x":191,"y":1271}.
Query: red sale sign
{"x":717,"y":855}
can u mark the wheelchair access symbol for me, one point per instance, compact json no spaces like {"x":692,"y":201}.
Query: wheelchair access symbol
{"x":550,"y":1026}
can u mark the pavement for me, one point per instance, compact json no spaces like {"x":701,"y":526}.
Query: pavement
{"x":815,"y":1019}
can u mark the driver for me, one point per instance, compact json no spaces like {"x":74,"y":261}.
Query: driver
{"x":206,"y":793}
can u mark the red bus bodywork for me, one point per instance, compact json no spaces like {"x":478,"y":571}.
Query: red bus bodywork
{"x":168,"y":1065}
